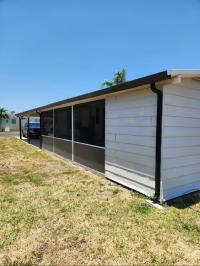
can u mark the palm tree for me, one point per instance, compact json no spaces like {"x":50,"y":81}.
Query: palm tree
{"x":3,"y":114}
{"x":119,"y":77}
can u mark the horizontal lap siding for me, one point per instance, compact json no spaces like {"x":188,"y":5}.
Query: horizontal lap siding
{"x":130,"y":140}
{"x":181,"y":139}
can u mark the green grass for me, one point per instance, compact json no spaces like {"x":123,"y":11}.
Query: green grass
{"x":52,"y":213}
{"x":9,"y":132}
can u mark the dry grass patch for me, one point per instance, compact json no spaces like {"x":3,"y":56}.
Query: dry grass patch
{"x":53,"y":213}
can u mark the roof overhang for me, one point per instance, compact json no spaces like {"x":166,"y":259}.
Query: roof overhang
{"x":100,"y":94}
{"x":103,"y":93}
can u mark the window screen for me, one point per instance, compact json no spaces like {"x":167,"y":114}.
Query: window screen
{"x":63,"y":123}
{"x":89,"y":123}
{"x":47,"y":123}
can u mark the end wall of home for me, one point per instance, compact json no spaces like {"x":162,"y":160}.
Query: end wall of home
{"x":181,"y":139}
{"x":130,"y":136}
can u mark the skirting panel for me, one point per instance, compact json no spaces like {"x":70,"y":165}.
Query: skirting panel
{"x":90,"y":156}
{"x":63,"y":148}
{"x":47,"y":143}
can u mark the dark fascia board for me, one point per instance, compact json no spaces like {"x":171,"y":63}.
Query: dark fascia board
{"x":113,"y":89}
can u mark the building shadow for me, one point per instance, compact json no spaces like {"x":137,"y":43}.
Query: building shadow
{"x":35,"y":142}
{"x":187,"y":201}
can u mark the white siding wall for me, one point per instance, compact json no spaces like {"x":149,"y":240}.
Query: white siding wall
{"x":130,"y":139}
{"x":181,"y":139}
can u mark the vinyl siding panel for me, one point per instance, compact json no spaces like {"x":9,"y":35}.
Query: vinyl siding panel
{"x":181,"y":139}
{"x":181,"y":190}
{"x":140,"y":150}
{"x":130,"y":126}
{"x":136,"y":131}
{"x":132,"y":121}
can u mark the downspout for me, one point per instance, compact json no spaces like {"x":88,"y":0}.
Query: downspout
{"x":158,"y":141}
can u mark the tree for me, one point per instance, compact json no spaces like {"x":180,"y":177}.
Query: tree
{"x":119,"y":77}
{"x":3,"y":114}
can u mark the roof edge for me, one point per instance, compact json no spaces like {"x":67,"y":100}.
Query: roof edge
{"x":186,"y":73}
{"x":160,"y":76}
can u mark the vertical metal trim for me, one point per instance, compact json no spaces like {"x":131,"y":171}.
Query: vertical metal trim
{"x":53,"y":129}
{"x":40,"y":131}
{"x":28,"y":132}
{"x":158,"y":141}
{"x":105,"y":130}
{"x":72,"y":110}
{"x":20,"y":128}
{"x":40,"y":128}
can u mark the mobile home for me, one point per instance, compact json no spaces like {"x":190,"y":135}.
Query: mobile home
{"x":143,"y":134}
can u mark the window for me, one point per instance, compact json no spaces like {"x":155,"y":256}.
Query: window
{"x":63,"y":123}
{"x":13,"y":121}
{"x":47,"y":123}
{"x":89,"y":123}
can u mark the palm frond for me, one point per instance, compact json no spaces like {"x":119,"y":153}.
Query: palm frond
{"x":107,"y":83}
{"x":120,"y":76}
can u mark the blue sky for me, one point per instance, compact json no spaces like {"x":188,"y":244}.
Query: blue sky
{"x":51,"y":50}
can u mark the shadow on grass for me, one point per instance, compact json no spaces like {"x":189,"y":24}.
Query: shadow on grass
{"x":34,"y":141}
{"x":186,"y":201}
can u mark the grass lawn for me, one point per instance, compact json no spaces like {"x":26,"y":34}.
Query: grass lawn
{"x":9,"y":132}
{"x":52,"y":213}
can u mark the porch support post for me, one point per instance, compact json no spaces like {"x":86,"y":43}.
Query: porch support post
{"x":40,"y":132}
{"x":53,"y":129}
{"x":28,"y":130}
{"x":72,"y":110}
{"x":40,"y":128}
{"x":20,"y":127}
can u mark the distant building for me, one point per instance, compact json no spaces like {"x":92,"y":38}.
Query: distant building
{"x":12,"y":123}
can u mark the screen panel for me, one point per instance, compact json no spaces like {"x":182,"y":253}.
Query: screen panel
{"x":47,"y":123}
{"x":90,"y":156}
{"x":63,"y":123}
{"x":63,"y":148}
{"x":89,"y":123}
{"x":47,"y":143}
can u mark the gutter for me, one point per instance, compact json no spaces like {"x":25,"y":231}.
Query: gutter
{"x":161,"y":76}
{"x":159,"y":94}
